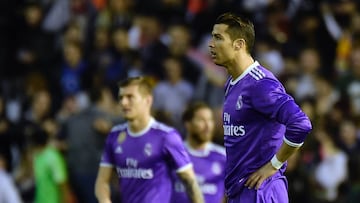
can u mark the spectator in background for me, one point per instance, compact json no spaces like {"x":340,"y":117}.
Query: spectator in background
{"x":144,"y":36}
{"x":208,"y":158}
{"x":300,"y":186}
{"x":332,"y":159}
{"x":326,"y":96}
{"x":9,"y":192}
{"x":348,"y":137}
{"x":100,"y":54}
{"x":73,"y":33}
{"x":35,"y":48}
{"x":210,"y":84}
{"x":353,"y":194}
{"x":268,"y":53}
{"x":349,"y":83}
{"x":50,"y":172}
{"x":7,"y":138}
{"x":172,"y":95}
{"x":37,"y":118}
{"x":341,"y":19}
{"x":74,"y":75}
{"x":117,"y":13}
{"x":309,"y":65}
{"x":84,"y":134}
{"x":179,"y":44}
{"x":118,"y":65}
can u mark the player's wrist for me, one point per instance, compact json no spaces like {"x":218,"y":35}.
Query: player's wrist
{"x":276,"y":163}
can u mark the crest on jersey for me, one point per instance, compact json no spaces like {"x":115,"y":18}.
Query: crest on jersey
{"x":121,"y":137}
{"x":239,"y":103}
{"x":148,"y":149}
{"x":216,"y":168}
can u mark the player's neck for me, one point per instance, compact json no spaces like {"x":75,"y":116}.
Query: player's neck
{"x":196,"y":145}
{"x":239,"y":65}
{"x":139,"y":124}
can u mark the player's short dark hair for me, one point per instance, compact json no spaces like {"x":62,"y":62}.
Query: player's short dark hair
{"x":191,"y":109}
{"x":144,"y":84}
{"x":238,"y":27}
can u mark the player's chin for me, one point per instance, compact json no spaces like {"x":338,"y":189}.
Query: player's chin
{"x":127,"y":116}
{"x":217,"y":62}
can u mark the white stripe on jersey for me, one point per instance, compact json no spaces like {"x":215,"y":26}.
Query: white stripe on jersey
{"x":254,"y":76}
{"x":259,"y":71}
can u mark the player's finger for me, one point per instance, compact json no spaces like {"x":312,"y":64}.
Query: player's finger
{"x":253,"y":181}
{"x":259,"y":182}
{"x":249,"y":180}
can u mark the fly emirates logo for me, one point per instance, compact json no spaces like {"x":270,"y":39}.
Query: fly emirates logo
{"x":230,"y":129}
{"x":132,"y":170}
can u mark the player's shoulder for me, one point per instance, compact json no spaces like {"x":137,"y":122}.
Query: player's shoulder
{"x":119,"y":127}
{"x":162,"y":127}
{"x":263,"y":78}
{"x":260,"y":73}
{"x":218,"y":149}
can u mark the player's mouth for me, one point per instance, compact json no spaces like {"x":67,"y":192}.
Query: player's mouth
{"x":213,"y":54}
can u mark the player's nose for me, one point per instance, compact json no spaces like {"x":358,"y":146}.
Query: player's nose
{"x":211,"y":43}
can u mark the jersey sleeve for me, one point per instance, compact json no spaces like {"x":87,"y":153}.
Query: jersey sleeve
{"x":107,"y":158}
{"x":174,"y":149}
{"x":270,"y":98}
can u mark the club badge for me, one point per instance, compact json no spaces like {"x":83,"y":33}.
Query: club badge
{"x":148,"y":149}
{"x":239,"y":103}
{"x":121,"y":137}
{"x":216,"y":168}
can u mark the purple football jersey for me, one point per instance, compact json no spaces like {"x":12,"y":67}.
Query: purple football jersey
{"x":258,"y":115}
{"x":209,"y":167}
{"x":144,"y":161}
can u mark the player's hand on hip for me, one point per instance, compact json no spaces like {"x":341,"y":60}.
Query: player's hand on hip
{"x":258,"y":177}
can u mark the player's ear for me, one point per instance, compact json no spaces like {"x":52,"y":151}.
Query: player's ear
{"x":239,"y":44}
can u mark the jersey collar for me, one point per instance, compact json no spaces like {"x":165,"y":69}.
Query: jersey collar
{"x":198,"y":153}
{"x":247,"y":70}
{"x":142,"y":132}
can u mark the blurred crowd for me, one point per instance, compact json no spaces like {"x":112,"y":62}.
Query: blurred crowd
{"x":61,"y":60}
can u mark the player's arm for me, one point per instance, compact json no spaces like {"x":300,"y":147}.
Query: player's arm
{"x":102,"y":185}
{"x":272,"y":101}
{"x":192,"y":187}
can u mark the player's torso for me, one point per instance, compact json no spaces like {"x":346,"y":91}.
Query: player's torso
{"x":138,"y":157}
{"x":141,"y":166}
{"x":249,"y":134}
{"x":239,"y":116}
{"x":210,"y":174}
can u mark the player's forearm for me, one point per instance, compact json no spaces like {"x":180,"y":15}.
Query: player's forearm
{"x":192,"y":186}
{"x":102,"y":192}
{"x":285,"y":152}
{"x":193,"y":191}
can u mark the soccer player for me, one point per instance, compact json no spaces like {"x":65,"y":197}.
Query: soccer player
{"x":144,"y":152}
{"x":262,"y":124}
{"x":208,"y":158}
